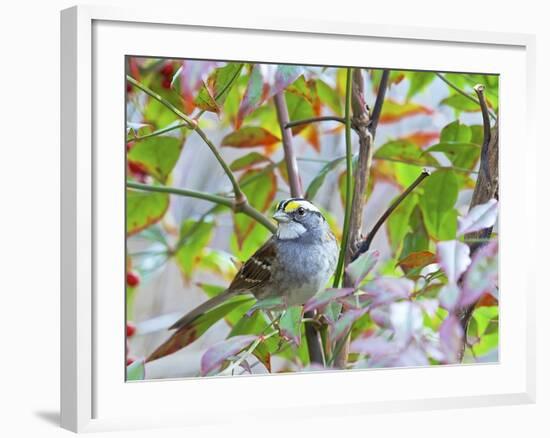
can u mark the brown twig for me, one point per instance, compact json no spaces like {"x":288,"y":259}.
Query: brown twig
{"x":366,"y":243}
{"x":315,"y":120}
{"x":485,"y":189}
{"x":365,"y":125}
{"x":312,"y":335}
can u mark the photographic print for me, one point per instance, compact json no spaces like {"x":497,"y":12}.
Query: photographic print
{"x":288,"y":218}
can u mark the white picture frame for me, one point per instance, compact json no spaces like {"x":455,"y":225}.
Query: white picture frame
{"x":93,"y":394}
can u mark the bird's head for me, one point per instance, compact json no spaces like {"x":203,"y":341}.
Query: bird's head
{"x":296,"y":217}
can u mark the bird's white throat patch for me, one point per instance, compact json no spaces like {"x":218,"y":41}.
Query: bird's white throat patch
{"x":290,"y":230}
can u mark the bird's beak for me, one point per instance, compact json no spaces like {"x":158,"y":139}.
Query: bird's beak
{"x":281,"y":217}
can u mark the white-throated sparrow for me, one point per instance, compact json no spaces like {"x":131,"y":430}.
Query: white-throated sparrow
{"x":295,"y":263}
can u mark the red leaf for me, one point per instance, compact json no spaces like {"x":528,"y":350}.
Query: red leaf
{"x":421,"y":138}
{"x":394,"y":111}
{"x":249,"y":137}
{"x":418,"y":259}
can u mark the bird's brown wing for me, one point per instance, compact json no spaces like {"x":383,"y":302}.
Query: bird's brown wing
{"x":256,"y":271}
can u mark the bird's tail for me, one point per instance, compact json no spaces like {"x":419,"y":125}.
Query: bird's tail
{"x":202,"y":308}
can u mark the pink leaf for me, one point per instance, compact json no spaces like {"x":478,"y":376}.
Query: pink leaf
{"x":478,"y":218}
{"x":482,"y":275}
{"x":361,"y":266}
{"x":323,"y":298}
{"x":449,"y":295}
{"x":406,"y":320}
{"x":386,"y":290}
{"x":214,"y":356}
{"x":453,"y":257}
{"x":451,"y":338}
{"x":343,"y":325}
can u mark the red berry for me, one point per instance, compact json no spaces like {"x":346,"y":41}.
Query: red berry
{"x":129,"y":88}
{"x":167,"y":69}
{"x":132,"y":279}
{"x":130,"y":329}
{"x":166,"y":83}
{"x":129,"y":361}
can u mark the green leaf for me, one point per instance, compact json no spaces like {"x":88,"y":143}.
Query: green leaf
{"x":398,"y":222}
{"x":329,"y":96}
{"x":135,"y":371}
{"x":247,"y":161}
{"x":463,"y":155}
{"x":198,"y":327}
{"x":250,"y":136}
{"x":196,"y":236}
{"x":256,"y":324}
{"x":402,"y":150}
{"x":461,"y":103}
{"x":299,"y":108}
{"x":440,"y":193}
{"x":213,"y":93}
{"x":419,"y":80}
{"x":291,"y":324}
{"x":158,"y":155}
{"x":456,"y":132}
{"x":219,"y":262}
{"x":144,"y":209}
{"x":318,"y":180}
{"x":417,"y":238}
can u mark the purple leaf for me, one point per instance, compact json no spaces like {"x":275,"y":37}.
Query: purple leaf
{"x":374,"y":346}
{"x":451,"y":337}
{"x":284,"y":76}
{"x":381,"y":316}
{"x":214,"y":356}
{"x":449,"y":295}
{"x":386,"y":290}
{"x":429,"y":306}
{"x":478,"y":218}
{"x":361,"y":266}
{"x":482,"y":275}
{"x":453,"y":257}
{"x":406,"y":319}
{"x":343,"y":325}
{"x":323,"y":298}
{"x":253,"y":96}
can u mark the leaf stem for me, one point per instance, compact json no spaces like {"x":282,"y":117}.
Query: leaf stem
{"x":349,"y":183}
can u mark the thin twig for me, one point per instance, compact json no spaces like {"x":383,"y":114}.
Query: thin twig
{"x":160,"y":131}
{"x":377,"y":109}
{"x":315,"y":120}
{"x":365,"y":245}
{"x":227,"y":202}
{"x":460,"y":91}
{"x":484,"y":163}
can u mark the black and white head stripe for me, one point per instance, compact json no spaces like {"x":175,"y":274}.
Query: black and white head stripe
{"x":293,"y":204}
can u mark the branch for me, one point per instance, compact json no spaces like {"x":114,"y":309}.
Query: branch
{"x":377,"y":110}
{"x":312,"y":335}
{"x":460,"y":91}
{"x":365,"y":245}
{"x":221,"y":200}
{"x":290,"y":158}
{"x":160,"y":131}
{"x":485,"y":189}
{"x":315,"y":120}
{"x":193,"y":125}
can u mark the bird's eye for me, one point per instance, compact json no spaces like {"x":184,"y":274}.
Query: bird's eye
{"x":301,"y":211}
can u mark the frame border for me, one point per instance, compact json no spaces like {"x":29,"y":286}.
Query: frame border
{"x":77,"y":196}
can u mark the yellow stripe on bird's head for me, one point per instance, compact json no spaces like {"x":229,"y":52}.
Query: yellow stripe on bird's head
{"x":293,"y":204}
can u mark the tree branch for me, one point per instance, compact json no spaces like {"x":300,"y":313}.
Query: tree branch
{"x":315,"y":120}
{"x":312,"y":335}
{"x":221,"y":200}
{"x":485,"y":189}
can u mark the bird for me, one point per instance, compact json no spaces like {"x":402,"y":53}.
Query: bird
{"x":294,"y":264}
